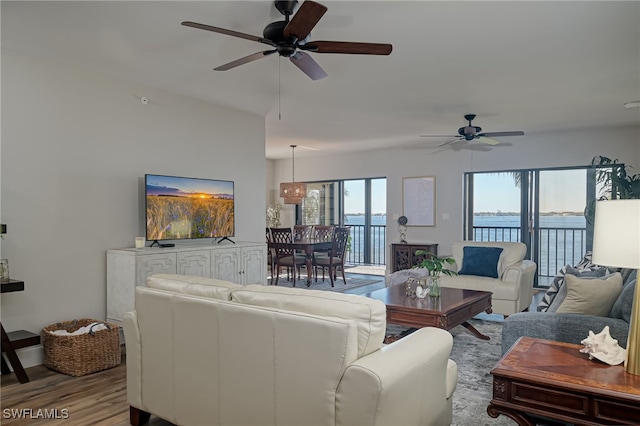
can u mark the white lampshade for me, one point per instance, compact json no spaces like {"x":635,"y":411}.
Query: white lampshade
{"x":616,"y":242}
{"x":616,"y":234}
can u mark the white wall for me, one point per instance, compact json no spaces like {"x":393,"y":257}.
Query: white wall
{"x":531,"y":151}
{"x":75,"y":148}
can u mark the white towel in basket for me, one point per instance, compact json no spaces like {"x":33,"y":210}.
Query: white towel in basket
{"x":97,"y":326}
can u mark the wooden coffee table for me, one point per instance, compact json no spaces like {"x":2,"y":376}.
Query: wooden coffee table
{"x":555,"y":380}
{"x":454,"y":307}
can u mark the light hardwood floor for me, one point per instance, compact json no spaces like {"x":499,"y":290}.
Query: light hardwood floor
{"x":96,"y":399}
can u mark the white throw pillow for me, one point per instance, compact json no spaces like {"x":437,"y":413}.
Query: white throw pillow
{"x":591,"y":296}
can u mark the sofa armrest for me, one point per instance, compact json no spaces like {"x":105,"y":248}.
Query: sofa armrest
{"x":402,"y":383}
{"x":570,"y":328}
{"x":522,"y":273}
{"x":134,"y":359}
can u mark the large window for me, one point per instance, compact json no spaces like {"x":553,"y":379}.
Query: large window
{"x":543,"y":208}
{"x":359,"y":204}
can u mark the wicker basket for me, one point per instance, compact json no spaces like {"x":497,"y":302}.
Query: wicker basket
{"x":81,"y":354}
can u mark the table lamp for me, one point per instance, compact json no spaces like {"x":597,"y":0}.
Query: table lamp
{"x":616,"y":242}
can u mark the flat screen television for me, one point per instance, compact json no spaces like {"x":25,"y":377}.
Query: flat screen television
{"x":179,"y":208}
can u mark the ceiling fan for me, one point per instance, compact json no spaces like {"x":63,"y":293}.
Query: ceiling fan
{"x":471,"y":132}
{"x":289,"y":38}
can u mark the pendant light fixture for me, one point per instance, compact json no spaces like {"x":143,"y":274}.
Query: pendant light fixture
{"x":293,"y":192}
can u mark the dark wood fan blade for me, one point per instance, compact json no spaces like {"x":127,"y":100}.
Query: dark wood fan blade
{"x":304,"y":20}
{"x":308,"y":65}
{"x":492,"y":134}
{"x":348,"y":47}
{"x":439,"y":136}
{"x":246,"y":59}
{"x":228,"y":32}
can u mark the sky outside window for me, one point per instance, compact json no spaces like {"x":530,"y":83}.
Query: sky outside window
{"x":560,"y":191}
{"x":354,"y":201}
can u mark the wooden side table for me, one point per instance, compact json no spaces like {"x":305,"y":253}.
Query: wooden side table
{"x":16,"y":339}
{"x":403,"y":256}
{"x":554,"y":380}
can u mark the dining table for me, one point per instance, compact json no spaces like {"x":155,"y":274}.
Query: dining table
{"x":309,"y":246}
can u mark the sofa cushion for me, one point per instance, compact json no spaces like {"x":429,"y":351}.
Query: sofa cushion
{"x":591,"y":296}
{"x":512,"y":252}
{"x":561,"y":289}
{"x":480,"y":261}
{"x":500,"y":290}
{"x":191,"y":284}
{"x":622,"y":307}
{"x":370,"y":315}
{"x":583,"y":269}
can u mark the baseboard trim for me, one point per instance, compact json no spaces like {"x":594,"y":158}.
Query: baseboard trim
{"x":29,"y":357}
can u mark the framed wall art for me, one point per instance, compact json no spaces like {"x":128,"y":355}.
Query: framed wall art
{"x":419,"y":200}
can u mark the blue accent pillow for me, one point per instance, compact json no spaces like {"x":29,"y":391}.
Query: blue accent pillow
{"x":480,"y":261}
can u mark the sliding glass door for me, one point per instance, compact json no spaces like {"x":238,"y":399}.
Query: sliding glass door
{"x":543,"y":208}
{"x":560,"y":225}
{"x":359,"y":204}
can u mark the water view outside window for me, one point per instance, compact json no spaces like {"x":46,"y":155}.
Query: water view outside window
{"x":547,"y":214}
{"x":365,"y":203}
{"x":359,"y":204}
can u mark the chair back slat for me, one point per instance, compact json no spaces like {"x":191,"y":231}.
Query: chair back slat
{"x":282,"y":239}
{"x":340,"y":238}
{"x":323,"y":232}
{"x":302,"y":232}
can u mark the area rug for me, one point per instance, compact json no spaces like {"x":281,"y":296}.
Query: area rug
{"x":475,"y":359}
{"x":379,"y":270}
{"x":339,"y":285}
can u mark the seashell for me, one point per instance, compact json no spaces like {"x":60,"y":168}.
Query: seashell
{"x":603,"y":347}
{"x":421,"y":292}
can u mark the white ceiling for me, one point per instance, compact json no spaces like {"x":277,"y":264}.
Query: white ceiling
{"x":532,"y":66}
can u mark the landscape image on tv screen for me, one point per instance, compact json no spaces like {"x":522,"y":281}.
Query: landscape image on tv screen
{"x":187,"y":208}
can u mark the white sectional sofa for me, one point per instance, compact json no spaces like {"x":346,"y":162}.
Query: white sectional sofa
{"x":207,"y":352}
{"x":512,"y":285}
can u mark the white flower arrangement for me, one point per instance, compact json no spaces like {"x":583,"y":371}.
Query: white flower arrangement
{"x":273,"y":215}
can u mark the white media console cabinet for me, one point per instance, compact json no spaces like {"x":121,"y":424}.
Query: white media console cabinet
{"x":242,"y":263}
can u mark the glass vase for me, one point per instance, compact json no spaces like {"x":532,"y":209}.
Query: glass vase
{"x":422,"y":289}
{"x":434,"y":286}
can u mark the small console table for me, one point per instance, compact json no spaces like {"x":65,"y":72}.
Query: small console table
{"x":403,"y":256}
{"x":555,"y":380}
{"x":15,"y":339}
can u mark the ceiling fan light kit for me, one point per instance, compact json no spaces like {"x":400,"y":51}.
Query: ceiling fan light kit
{"x":470,"y":132}
{"x":289,"y":38}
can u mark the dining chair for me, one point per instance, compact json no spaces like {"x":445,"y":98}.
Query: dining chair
{"x":284,"y":252}
{"x":322,"y":233}
{"x":270,"y":255}
{"x":336,"y":256}
{"x":302,"y":232}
